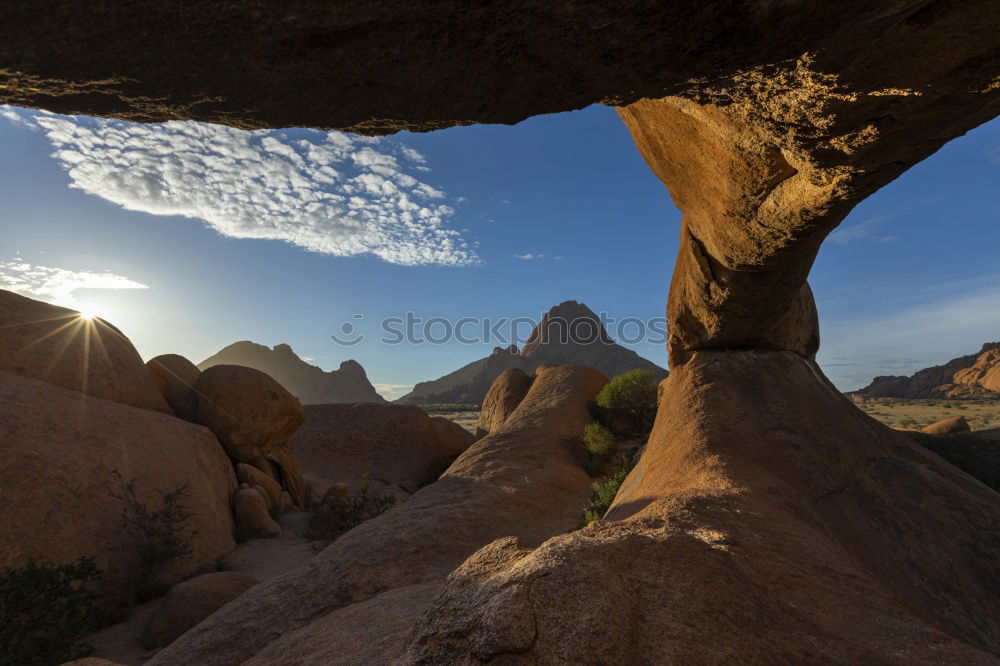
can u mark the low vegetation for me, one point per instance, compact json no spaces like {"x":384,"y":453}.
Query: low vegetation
{"x":604,"y":491}
{"x":337,"y":515}
{"x":45,"y":611}
{"x":160,"y":536}
{"x":627,"y":404}
{"x":364,"y":505}
{"x":600,"y":445}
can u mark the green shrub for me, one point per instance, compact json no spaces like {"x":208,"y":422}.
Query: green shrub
{"x":600,"y":444}
{"x":45,"y":609}
{"x":604,"y":491}
{"x":160,"y":536}
{"x":628,"y":402}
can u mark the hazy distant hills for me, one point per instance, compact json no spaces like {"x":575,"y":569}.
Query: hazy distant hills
{"x":310,"y":384}
{"x":569,"y":334}
{"x":973,"y":376}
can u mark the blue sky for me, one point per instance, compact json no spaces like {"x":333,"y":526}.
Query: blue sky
{"x":190,"y":237}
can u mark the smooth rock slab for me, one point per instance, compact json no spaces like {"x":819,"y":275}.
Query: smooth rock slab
{"x":190,"y":602}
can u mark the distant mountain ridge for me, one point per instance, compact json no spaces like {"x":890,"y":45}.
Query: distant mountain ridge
{"x":568,"y":334}
{"x":972,"y":376}
{"x":310,"y":384}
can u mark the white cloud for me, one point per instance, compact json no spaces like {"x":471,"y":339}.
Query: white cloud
{"x":58,"y":285}
{"x":866,"y":229}
{"x":393,"y":391}
{"x":412,"y":155}
{"x":529,"y":256}
{"x":327,"y":192}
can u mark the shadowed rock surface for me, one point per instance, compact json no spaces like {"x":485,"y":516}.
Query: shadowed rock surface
{"x":56,"y":345}
{"x":407,"y":65}
{"x":309,"y":383}
{"x":190,"y":602}
{"x":176,"y":377}
{"x":568,"y":334}
{"x":385,"y":570}
{"x":58,"y":453}
{"x":456,"y":438}
{"x":398,"y":446}
{"x":253,"y":416}
{"x":972,"y":376}
{"x":977,"y":453}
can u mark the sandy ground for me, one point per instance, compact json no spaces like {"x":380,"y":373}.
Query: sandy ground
{"x":261,"y":558}
{"x":915,"y":414}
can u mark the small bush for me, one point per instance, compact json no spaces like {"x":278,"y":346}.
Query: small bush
{"x":628,"y":402}
{"x":45,"y":609}
{"x":600,"y":444}
{"x":160,"y":536}
{"x":335,"y":516}
{"x":604,"y":491}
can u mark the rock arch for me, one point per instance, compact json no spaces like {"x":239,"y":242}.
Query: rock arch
{"x":768,"y":515}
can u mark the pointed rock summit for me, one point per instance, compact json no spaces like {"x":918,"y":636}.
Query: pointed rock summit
{"x":568,"y":334}
{"x":309,"y":383}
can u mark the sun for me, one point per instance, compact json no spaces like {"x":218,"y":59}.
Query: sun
{"x":89,"y":312}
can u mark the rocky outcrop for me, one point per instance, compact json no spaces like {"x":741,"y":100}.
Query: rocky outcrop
{"x":375,"y":580}
{"x":251,"y":509}
{"x":253,"y":477}
{"x":176,"y":377}
{"x":59,"y":452}
{"x":190,"y":602}
{"x":502,"y":399}
{"x":982,"y":377}
{"x":948,"y":426}
{"x":253,"y":417}
{"x":59,"y":346}
{"x":568,"y":334}
{"x":972,"y":376}
{"x":398,"y":447}
{"x":310,"y":384}
{"x":717,"y":550}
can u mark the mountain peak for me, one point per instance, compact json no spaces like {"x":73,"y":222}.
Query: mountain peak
{"x":307,"y":382}
{"x":568,"y":324}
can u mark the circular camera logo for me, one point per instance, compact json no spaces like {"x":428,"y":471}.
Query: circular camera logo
{"x":349,"y":334}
